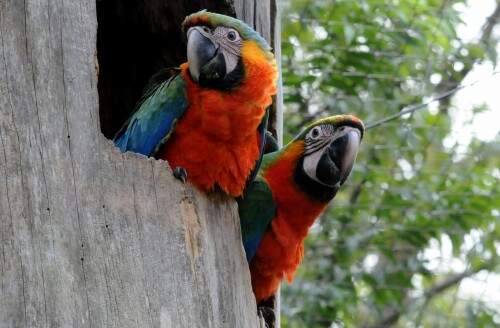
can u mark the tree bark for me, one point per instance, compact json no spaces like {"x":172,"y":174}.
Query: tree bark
{"x":90,"y":237}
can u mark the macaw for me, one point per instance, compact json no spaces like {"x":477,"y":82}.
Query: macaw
{"x":292,"y":188}
{"x":208,"y":121}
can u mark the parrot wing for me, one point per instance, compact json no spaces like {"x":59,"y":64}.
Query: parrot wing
{"x":257,"y":209}
{"x":263,"y":135}
{"x":271,"y":144}
{"x":154,"y":120}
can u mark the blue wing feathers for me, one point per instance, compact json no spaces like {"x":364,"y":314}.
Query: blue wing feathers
{"x":257,"y":209}
{"x":155,"y":118}
{"x":251,"y":245}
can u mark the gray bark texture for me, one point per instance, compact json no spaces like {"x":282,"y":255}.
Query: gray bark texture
{"x":90,"y":237}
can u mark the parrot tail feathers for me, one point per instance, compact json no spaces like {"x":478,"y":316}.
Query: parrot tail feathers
{"x":289,"y":273}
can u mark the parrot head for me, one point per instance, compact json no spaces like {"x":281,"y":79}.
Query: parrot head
{"x":216,"y":48}
{"x":330,"y":147}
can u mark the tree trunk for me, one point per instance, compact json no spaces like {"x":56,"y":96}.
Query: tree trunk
{"x":90,"y":237}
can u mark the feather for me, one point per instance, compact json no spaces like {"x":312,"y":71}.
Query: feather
{"x":257,"y":209}
{"x":162,"y":105}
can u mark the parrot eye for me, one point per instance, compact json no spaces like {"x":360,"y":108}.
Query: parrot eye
{"x":315,"y":132}
{"x":232,"y":35}
{"x":206,"y":29}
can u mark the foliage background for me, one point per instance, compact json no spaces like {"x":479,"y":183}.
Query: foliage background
{"x":419,"y":217}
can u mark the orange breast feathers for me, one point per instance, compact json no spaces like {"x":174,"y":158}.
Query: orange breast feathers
{"x":216,"y":140}
{"x":282,"y":247}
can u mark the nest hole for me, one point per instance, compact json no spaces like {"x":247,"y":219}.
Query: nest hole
{"x":135,"y":39}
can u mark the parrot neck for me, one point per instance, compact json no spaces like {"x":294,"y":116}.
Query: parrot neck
{"x":297,"y":210}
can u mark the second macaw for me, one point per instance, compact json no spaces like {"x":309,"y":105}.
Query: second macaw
{"x":292,"y":188}
{"x":209,"y":119}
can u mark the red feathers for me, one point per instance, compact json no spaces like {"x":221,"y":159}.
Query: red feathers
{"x":216,"y":140}
{"x":282,"y":248}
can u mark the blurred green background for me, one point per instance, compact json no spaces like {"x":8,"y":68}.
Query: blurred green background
{"x":413,"y":239}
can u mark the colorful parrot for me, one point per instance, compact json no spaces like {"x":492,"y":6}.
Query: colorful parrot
{"x":208,"y":121}
{"x":292,"y":188}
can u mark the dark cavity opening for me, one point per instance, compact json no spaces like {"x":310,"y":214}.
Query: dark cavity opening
{"x":135,"y":39}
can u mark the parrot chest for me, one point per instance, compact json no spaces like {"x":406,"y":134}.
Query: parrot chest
{"x":281,"y":248}
{"x":217,"y":142}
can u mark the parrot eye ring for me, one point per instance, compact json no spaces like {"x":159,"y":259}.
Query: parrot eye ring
{"x":232,"y":35}
{"x":315,"y":133}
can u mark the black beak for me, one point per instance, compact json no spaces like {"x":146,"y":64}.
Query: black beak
{"x":205,"y":61}
{"x":336,"y":164}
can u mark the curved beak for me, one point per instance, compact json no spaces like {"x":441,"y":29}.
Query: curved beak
{"x":200,"y":51}
{"x":343,"y":151}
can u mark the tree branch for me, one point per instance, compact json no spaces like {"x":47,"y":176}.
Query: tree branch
{"x":454,"y":78}
{"x":490,"y":25}
{"x":393,"y":316}
{"x":453,"y":280}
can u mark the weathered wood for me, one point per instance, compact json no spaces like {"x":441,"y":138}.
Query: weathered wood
{"x":277,"y":118}
{"x":90,"y":237}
